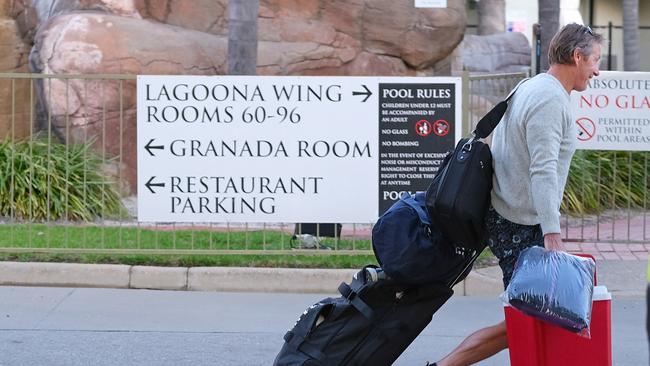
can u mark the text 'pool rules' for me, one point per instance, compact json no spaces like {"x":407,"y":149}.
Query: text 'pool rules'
{"x":417,"y":127}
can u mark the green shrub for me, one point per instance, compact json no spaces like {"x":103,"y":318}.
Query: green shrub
{"x":600,"y":180}
{"x":51,"y":181}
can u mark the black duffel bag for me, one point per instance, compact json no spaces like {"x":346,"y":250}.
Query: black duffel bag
{"x":458,"y":198}
{"x":412,"y":251}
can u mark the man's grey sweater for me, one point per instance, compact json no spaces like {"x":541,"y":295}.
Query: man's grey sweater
{"x":532,"y":148}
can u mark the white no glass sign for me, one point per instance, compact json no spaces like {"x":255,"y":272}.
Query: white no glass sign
{"x":614,"y":112}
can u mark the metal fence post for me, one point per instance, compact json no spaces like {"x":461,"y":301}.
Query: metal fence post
{"x":609,"y":46}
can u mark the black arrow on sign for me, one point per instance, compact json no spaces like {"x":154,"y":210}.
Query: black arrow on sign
{"x":149,"y":184}
{"x":150,"y":147}
{"x":367,"y":93}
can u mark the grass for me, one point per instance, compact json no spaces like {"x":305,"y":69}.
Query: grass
{"x":134,"y":238}
{"x":103,"y":244}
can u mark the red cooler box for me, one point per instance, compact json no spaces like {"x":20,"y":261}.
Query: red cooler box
{"x":533,"y":342}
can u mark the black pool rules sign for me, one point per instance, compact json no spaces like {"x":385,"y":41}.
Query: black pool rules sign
{"x":417,"y":124}
{"x":288,"y":149}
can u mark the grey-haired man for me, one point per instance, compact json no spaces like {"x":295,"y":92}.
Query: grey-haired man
{"x":532,"y":149}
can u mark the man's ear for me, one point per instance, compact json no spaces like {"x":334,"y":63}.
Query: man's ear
{"x":577,"y":55}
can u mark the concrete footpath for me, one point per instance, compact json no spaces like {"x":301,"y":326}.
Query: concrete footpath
{"x":622,"y":278}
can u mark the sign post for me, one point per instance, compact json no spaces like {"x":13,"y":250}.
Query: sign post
{"x":288,"y":149}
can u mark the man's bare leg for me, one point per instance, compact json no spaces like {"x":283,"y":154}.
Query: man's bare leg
{"x":478,"y":346}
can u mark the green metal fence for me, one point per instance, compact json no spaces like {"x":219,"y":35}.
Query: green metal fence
{"x":68,"y":144}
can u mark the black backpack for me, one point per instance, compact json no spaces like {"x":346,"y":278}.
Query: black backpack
{"x":458,"y":198}
{"x":412,"y":251}
{"x":372,"y":323}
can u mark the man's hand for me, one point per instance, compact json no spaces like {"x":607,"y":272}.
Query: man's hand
{"x":553,"y":241}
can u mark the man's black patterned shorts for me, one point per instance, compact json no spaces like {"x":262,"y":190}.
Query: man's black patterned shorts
{"x":508,"y":239}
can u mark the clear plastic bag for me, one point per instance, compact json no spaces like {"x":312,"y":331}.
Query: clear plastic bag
{"x":553,"y":286}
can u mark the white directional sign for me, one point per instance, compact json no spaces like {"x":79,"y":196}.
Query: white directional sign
{"x":614,"y":112}
{"x":288,"y":149}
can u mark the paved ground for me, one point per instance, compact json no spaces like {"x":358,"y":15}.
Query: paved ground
{"x":76,"y":326}
{"x":612,"y":251}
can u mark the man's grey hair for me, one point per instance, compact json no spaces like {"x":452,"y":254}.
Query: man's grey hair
{"x":570,"y":38}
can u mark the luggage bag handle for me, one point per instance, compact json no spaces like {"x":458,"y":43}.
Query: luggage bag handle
{"x":351,"y":293}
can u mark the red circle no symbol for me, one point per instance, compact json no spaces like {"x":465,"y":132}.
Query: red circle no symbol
{"x":441,"y":127}
{"x":423,"y":128}
{"x":586,"y":128}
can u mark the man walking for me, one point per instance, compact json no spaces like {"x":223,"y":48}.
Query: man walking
{"x":532,"y":149}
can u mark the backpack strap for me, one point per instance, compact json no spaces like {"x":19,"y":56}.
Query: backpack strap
{"x":352,"y":295}
{"x":489,"y":122}
{"x":413,"y":203}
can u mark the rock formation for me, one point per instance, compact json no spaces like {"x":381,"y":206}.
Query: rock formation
{"x":14,"y":94}
{"x":495,"y":53}
{"x":490,"y":54}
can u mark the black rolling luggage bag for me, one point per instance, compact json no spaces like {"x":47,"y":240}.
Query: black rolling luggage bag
{"x":372,"y":323}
